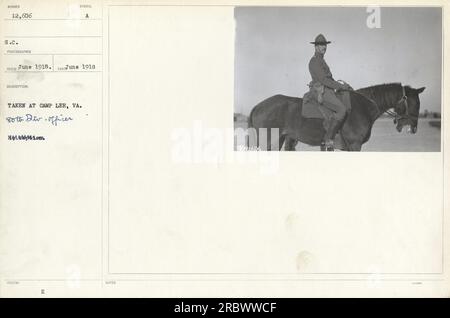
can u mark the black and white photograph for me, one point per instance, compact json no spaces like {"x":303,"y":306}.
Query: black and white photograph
{"x":338,"y":79}
{"x":124,"y":175}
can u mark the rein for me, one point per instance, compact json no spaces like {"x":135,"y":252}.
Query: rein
{"x":395,"y":115}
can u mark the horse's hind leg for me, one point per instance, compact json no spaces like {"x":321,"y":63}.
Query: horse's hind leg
{"x":274,"y":141}
{"x":281,"y":141}
{"x":269,"y":140}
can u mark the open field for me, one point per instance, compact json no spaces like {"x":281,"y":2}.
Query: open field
{"x":386,"y":138}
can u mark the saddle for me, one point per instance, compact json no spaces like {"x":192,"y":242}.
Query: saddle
{"x":313,"y":103}
{"x":313,"y":107}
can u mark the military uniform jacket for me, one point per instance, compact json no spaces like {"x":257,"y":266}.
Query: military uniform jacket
{"x":320,"y":72}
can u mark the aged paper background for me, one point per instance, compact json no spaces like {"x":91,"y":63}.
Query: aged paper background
{"x":107,"y":208}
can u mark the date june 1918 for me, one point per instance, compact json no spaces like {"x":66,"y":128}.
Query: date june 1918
{"x":54,"y":120}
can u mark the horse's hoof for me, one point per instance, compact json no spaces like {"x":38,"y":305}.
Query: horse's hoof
{"x":327,"y":146}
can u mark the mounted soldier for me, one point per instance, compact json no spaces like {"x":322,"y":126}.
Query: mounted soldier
{"x":307,"y":119}
{"x":326,"y":91}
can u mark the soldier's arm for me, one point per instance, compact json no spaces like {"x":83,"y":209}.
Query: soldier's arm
{"x":317,"y":71}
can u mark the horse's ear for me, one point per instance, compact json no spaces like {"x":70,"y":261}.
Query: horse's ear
{"x":420,"y":90}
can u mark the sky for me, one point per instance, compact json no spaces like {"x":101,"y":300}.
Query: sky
{"x":272,"y":50}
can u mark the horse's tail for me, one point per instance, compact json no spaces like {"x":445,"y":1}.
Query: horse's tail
{"x":250,"y":130}
{"x":249,"y":119}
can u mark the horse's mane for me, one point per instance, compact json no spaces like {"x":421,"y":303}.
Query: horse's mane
{"x":385,"y":87}
{"x":382,"y":94}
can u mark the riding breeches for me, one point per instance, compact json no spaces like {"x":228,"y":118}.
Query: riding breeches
{"x":331,"y":101}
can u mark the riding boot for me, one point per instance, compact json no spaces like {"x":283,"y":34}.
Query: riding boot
{"x":331,"y":133}
{"x":328,"y":141}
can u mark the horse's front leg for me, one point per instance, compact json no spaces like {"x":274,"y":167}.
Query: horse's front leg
{"x":350,"y":140}
{"x":290,"y":143}
{"x":355,"y":146}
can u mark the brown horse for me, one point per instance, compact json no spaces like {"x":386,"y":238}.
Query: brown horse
{"x":285,"y":114}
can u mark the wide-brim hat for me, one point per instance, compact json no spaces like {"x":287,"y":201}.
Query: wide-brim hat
{"x":320,"y":39}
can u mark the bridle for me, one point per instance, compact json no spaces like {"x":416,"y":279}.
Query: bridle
{"x":406,"y":115}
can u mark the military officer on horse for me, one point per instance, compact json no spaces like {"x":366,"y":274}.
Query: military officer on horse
{"x":325,"y":88}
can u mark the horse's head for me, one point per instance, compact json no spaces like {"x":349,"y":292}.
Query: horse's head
{"x":407,"y":109}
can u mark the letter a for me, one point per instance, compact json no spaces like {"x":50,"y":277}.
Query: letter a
{"x":374,"y":18}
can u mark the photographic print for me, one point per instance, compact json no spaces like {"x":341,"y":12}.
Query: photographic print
{"x":338,"y":78}
{"x":124,"y":176}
